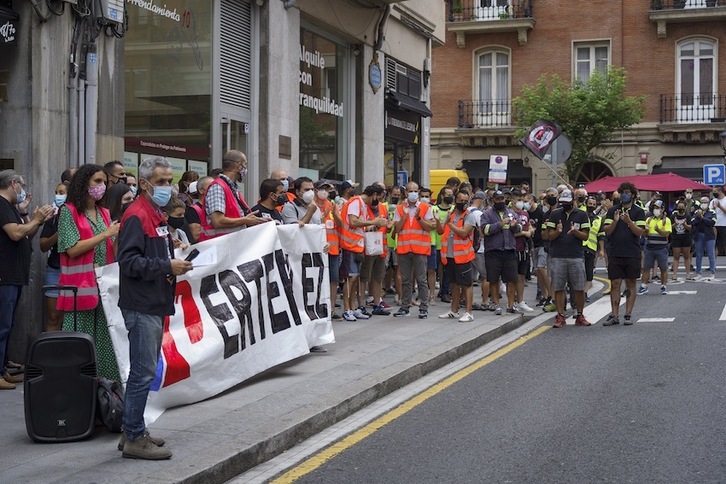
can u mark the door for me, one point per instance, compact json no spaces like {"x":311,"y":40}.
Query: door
{"x":696,"y":82}
{"x":493,"y":105}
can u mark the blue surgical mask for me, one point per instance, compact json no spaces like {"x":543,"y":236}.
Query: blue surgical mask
{"x":527,"y":206}
{"x":60,"y":200}
{"x":412,"y":197}
{"x":21,"y":196}
{"x":626,"y":198}
{"x":133,"y":189}
{"x":285,"y":184}
{"x":161,"y":196}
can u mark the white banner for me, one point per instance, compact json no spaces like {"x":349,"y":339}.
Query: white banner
{"x":255,"y":299}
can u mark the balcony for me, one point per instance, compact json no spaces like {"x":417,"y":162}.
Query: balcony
{"x":663,"y":12}
{"x":486,"y":123}
{"x":692,"y":118}
{"x":490,"y":16}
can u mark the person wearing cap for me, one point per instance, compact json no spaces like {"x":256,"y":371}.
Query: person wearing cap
{"x":499,"y":225}
{"x":624,"y":225}
{"x":478,"y":205}
{"x":658,"y":229}
{"x":567,"y":228}
{"x":347,"y":189}
{"x":703,"y":222}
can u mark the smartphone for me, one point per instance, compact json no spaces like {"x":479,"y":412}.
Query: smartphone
{"x":192,"y":255}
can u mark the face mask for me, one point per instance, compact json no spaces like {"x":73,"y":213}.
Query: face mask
{"x":657,"y":212}
{"x":527,"y":205}
{"x":161,"y":196}
{"x":412,"y":197}
{"x":374,"y":203}
{"x":519,"y":205}
{"x":626,"y":198}
{"x":176,"y":222}
{"x":567,"y":206}
{"x":715,"y":194}
{"x":280,"y":199}
{"x":425,"y":200}
{"x":243,"y":173}
{"x":133,"y":188}
{"x":681,"y":210}
{"x":323,"y":194}
{"x":125,"y":206}
{"x":689,"y":195}
{"x":285,"y":184}
{"x":448,"y":199}
{"x":60,"y":200}
{"x":96,"y":192}
{"x":394,"y":200}
{"x":551,"y":201}
{"x":332,"y":195}
{"x":21,"y":196}
{"x":581,"y":200}
{"x":308,"y":196}
{"x":591,"y":209}
{"x":461,"y":206}
{"x":499,"y":206}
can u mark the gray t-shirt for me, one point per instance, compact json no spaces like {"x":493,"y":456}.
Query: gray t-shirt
{"x":469,"y":220}
{"x":294,"y":211}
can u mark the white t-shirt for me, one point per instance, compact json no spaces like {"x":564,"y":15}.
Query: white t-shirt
{"x":720,"y":216}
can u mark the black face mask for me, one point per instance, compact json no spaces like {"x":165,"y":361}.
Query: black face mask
{"x":448,"y":199}
{"x":461,"y":206}
{"x":499,"y":206}
{"x":567,"y":206}
{"x":176,"y":222}
{"x":125,"y":206}
{"x":581,"y":200}
{"x":394,"y":200}
{"x":551,"y":201}
{"x":281,"y":199}
{"x":590,"y":209}
{"x":374,"y":203}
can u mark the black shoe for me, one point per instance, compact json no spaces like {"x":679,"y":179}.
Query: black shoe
{"x":628,"y":320}
{"x":625,"y":293}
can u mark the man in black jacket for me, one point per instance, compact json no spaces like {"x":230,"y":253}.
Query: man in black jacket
{"x":147,"y":276}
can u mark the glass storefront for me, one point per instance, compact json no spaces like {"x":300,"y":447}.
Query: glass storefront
{"x":168,"y":82}
{"x":324,"y":110}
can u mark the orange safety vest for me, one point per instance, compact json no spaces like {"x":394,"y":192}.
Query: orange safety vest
{"x":231,"y":210}
{"x":331,"y":232}
{"x":413,"y":237}
{"x":351,"y":239}
{"x":79,"y":271}
{"x":463,"y":246}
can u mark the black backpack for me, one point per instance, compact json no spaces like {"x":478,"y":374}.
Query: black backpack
{"x":110,"y":404}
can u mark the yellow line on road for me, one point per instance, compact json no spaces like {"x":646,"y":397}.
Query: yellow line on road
{"x":606,"y":281}
{"x":322,"y":457}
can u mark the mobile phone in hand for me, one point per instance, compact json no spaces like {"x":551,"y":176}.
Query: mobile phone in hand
{"x":192,"y":255}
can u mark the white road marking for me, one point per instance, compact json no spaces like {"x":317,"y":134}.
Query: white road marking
{"x":682,"y":292}
{"x":723,"y":314}
{"x":656,"y":320}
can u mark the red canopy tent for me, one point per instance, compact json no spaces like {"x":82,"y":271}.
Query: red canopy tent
{"x":661,"y":182}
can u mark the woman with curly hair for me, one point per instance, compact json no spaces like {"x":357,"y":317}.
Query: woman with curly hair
{"x":85,"y":234}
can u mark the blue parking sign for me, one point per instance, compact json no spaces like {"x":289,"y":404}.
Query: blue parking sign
{"x":714,"y":174}
{"x":402,"y":178}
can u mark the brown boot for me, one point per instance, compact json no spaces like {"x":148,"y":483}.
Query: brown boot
{"x":6,"y":385}
{"x":13,"y":378}
{"x":157,"y":440}
{"x":144,"y":448}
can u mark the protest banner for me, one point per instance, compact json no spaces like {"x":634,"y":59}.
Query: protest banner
{"x":255,"y":299}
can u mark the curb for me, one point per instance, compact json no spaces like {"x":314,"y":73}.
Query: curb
{"x":239,"y":457}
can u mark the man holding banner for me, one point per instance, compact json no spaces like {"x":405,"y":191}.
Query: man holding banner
{"x":146,"y":296}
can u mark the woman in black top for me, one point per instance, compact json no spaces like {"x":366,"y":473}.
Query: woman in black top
{"x":681,"y":239}
{"x":49,"y":242}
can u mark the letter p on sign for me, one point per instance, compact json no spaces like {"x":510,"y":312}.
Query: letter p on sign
{"x":714,"y":174}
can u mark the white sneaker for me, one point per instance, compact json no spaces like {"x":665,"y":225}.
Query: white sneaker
{"x":359,"y":314}
{"x":466,"y":318}
{"x":449,"y":315}
{"x":524,"y":307}
{"x":348,"y":316}
{"x":710,"y":277}
{"x":369,"y":300}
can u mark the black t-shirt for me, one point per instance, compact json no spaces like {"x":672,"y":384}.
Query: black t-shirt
{"x":191,"y":216}
{"x":268,"y":213}
{"x":567,"y":245}
{"x":679,"y":226}
{"x":15,"y":256}
{"x":537,"y":218}
{"x":623,"y":243}
{"x":49,"y":229}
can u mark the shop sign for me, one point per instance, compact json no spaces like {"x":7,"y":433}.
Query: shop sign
{"x":8,"y":27}
{"x":375,"y":76}
{"x":402,"y":126}
{"x":312,"y":75}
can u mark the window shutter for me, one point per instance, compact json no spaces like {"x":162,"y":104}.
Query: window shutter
{"x":235,"y":65}
{"x":391,"y":83}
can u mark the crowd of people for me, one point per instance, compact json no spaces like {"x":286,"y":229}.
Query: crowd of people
{"x":381,"y":240}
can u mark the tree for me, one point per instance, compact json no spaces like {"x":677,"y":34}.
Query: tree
{"x":588,"y":112}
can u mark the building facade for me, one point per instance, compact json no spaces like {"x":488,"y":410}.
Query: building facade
{"x":335,"y":89}
{"x":672,"y":51}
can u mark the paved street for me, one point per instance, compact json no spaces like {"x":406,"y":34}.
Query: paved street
{"x":618,"y":404}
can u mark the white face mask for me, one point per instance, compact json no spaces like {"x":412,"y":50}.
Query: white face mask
{"x":425,"y":200}
{"x":323,"y":194}
{"x":412,"y":197}
{"x":689,"y":195}
{"x":308,"y":196}
{"x":657,"y":212}
{"x":519,"y":205}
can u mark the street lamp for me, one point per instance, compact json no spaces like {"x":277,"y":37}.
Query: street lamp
{"x":722,"y":135}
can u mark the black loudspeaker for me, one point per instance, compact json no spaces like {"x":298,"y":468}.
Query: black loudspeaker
{"x":60,"y":387}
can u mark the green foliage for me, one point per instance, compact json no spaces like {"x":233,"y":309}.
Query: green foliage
{"x":588,"y":112}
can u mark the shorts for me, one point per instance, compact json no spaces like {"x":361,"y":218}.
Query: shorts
{"x":567,"y":271}
{"x":539,"y":258}
{"x":334,"y":268}
{"x":480,"y":265}
{"x":522,"y":263}
{"x":52,"y":275}
{"x":623,"y":268}
{"x":433,"y":260}
{"x":459,"y":274}
{"x":350,"y":264}
{"x":373,"y":268}
{"x":681,"y":241}
{"x":659,"y":255}
{"x":589,"y":265}
{"x":501,"y":264}
{"x":392,"y":258}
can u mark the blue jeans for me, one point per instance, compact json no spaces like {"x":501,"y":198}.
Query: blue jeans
{"x":9,"y":297}
{"x":145,"y":331}
{"x":710,"y":246}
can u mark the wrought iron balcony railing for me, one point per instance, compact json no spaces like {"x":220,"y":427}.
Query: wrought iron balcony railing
{"x":488,"y":10}
{"x":692,"y":108}
{"x":485,"y":114}
{"x":683,"y":4}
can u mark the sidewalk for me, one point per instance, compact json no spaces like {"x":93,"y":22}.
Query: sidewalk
{"x":217,"y":439}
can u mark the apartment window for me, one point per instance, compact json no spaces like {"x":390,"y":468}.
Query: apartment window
{"x":696,"y":80}
{"x":591,"y":57}
{"x":493,"y":104}
{"x":403,"y":79}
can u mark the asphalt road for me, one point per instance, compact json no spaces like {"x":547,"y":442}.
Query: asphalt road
{"x":641,"y":403}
